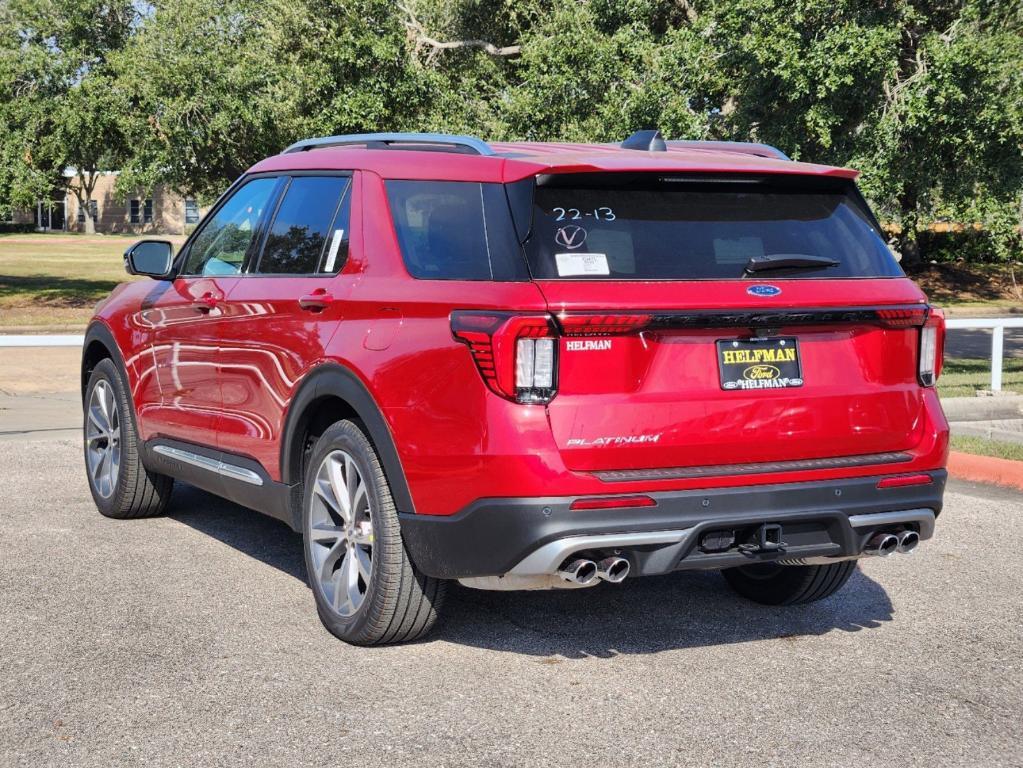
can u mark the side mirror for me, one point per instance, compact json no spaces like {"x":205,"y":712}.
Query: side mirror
{"x":152,"y":258}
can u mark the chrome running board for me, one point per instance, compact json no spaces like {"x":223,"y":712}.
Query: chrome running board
{"x":210,"y":464}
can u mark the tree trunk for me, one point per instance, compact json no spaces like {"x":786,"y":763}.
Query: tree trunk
{"x":909,"y":246}
{"x":90,"y":222}
{"x":86,"y":185}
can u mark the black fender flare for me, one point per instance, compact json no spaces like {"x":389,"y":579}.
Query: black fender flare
{"x":335,"y":380}
{"x":99,"y":333}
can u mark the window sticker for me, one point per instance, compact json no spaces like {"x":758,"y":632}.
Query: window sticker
{"x":581,"y":264}
{"x":335,"y":244}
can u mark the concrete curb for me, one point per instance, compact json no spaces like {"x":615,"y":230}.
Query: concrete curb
{"x":983,"y":408}
{"x":1007,"y":430}
{"x":986,"y":469}
{"x":42,"y":340}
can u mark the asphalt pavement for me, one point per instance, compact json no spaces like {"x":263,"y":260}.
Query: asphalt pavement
{"x":192,"y":639}
{"x":976,"y":343}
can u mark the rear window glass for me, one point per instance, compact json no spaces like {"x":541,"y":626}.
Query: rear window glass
{"x":684,"y":229}
{"x":455,"y":230}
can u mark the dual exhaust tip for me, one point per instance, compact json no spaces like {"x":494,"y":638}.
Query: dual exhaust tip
{"x":884,"y":544}
{"x":585,"y":572}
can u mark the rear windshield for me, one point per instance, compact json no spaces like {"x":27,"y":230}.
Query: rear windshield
{"x":594,"y":227}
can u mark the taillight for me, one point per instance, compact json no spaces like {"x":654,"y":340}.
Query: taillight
{"x":516,"y":354}
{"x":902,"y":317}
{"x":602,"y":325}
{"x":932,"y":347}
{"x":534,"y":370}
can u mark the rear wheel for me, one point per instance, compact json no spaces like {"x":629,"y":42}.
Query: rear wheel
{"x":774,"y":584}
{"x":121,"y":486}
{"x":367,"y":590}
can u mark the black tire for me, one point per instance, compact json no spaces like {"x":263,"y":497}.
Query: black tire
{"x":399,"y":604}
{"x":773,"y":584}
{"x":133,"y":491}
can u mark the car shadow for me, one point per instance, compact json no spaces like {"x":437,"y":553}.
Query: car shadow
{"x":640,"y":616}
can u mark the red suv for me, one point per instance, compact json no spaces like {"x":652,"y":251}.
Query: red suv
{"x":529,"y":366}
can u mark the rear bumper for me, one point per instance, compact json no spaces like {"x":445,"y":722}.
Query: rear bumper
{"x":494,"y":537}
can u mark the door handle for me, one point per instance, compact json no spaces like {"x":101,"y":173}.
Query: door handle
{"x":316,"y":301}
{"x":208,"y":301}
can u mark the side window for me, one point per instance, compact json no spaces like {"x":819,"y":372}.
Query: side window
{"x":220,"y":246}
{"x":455,"y":230}
{"x":309,"y":233}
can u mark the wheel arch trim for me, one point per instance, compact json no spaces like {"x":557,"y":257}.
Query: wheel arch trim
{"x":332,"y":380}
{"x":99,"y":333}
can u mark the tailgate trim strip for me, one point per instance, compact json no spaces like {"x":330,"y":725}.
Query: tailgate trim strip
{"x":799,"y":465}
{"x":785,"y":317}
{"x":653,"y":320}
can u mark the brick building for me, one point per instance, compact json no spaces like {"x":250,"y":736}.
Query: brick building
{"x":160,"y":212}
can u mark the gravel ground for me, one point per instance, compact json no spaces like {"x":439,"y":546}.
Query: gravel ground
{"x":192,"y":640}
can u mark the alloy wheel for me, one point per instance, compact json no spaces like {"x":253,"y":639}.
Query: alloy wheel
{"x":339,"y":533}
{"x":103,"y":439}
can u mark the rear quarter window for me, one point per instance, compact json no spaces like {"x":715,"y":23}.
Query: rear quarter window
{"x":453,"y":230}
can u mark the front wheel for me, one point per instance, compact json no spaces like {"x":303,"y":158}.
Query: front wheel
{"x":774,"y":584}
{"x":367,"y":590}
{"x":121,"y":486}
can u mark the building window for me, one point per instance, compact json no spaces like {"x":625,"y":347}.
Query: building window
{"x":191,"y":211}
{"x":93,"y":209}
{"x":140,"y":212}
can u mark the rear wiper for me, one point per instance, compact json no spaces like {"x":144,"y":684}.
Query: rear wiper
{"x":788,"y":260}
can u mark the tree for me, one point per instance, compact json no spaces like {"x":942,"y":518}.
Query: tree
{"x":949,"y":134}
{"x":60,"y":111}
{"x":924,"y":97}
{"x":215,"y":88}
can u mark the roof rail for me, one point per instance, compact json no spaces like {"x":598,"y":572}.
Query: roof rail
{"x":739,"y":147}
{"x":442,"y":142}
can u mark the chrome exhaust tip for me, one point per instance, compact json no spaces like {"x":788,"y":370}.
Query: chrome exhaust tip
{"x":582,"y":572}
{"x":613,"y":569}
{"x":882,"y":544}
{"x":908,"y":541}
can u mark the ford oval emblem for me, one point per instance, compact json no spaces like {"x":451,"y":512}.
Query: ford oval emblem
{"x":763,"y":290}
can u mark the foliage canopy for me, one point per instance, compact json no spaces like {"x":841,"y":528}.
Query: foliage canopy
{"x":925,"y":97}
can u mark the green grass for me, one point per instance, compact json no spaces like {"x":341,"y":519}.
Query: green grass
{"x":982,"y":446}
{"x":961,"y":377}
{"x":52,"y":281}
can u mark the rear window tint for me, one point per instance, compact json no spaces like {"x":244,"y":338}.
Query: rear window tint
{"x":454,"y":230}
{"x":666,"y":229}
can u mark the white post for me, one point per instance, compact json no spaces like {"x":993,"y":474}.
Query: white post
{"x":997,"y":337}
